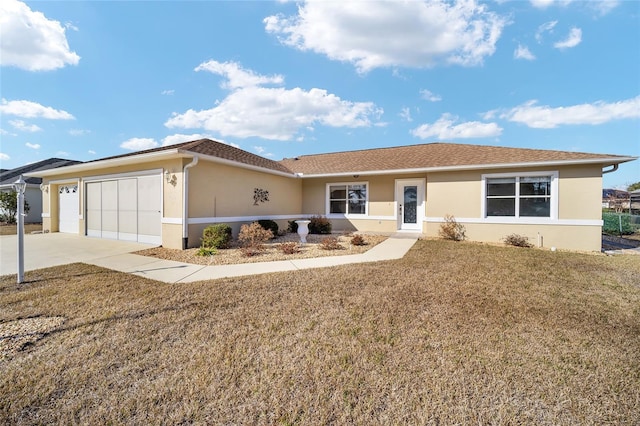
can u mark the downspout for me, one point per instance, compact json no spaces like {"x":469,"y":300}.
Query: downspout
{"x":185,"y":200}
{"x":614,"y":167}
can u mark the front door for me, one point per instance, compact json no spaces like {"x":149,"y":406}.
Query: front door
{"x":410,"y":204}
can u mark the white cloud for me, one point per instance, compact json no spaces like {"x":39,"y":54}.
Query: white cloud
{"x":543,"y":4}
{"x":547,"y":27}
{"x":259,"y":149}
{"x":62,"y":154}
{"x":573,"y":39}
{"x":92,"y":152}
{"x":546,"y":117}
{"x":167,"y":92}
{"x":180,"y":138}
{"x":429,"y":96}
{"x":378,"y":34}
{"x":603,"y":7}
{"x":445,"y":128}
{"x":28,"y":109}
{"x":405,"y":114}
{"x":271,"y":113}
{"x":236,"y":76}
{"x":139,"y":144}
{"x":24,"y":127}
{"x":30,"y":41}
{"x":4,"y":157}
{"x":32,"y":145}
{"x":523,"y":52}
{"x":79,"y":132}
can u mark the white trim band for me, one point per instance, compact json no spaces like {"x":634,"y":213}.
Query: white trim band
{"x":521,"y":221}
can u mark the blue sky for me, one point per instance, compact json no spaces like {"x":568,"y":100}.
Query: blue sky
{"x":86,"y":80}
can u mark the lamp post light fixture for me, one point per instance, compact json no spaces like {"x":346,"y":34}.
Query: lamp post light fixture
{"x":20,"y":185}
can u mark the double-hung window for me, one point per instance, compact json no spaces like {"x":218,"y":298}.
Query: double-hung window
{"x":521,"y":196}
{"x":347,"y":198}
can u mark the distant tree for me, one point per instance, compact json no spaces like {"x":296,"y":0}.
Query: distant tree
{"x":633,"y":186}
{"x":9,"y":206}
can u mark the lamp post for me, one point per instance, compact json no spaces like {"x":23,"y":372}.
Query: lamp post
{"x":20,"y":185}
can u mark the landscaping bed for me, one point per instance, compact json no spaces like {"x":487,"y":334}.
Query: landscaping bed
{"x":234,"y":254}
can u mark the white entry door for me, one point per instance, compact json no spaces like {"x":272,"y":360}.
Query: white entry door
{"x":410,"y":204}
{"x":68,"y":208}
{"x":125,"y":209}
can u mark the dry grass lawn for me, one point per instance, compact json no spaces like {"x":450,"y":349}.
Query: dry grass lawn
{"x":454,"y":333}
{"x":12,"y":229}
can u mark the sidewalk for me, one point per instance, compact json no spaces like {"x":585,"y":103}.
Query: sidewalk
{"x":394,"y":247}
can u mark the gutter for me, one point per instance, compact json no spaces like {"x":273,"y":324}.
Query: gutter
{"x":613,"y":168}
{"x":185,"y":199}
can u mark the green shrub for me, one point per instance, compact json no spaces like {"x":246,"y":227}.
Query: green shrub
{"x":330,"y":243}
{"x":216,"y":236}
{"x":358,"y":240}
{"x":319,"y":225}
{"x":269,"y":225}
{"x":206,"y":251}
{"x":612,"y":222}
{"x":252,"y":237}
{"x":293,"y":226}
{"x":517,"y":241}
{"x":452,"y":230}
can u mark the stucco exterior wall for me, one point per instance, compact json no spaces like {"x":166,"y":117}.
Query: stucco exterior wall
{"x":219,"y":193}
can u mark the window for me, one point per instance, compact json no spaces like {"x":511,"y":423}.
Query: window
{"x":348,"y":198}
{"x":519,"y":196}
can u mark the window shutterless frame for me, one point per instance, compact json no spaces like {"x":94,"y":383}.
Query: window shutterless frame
{"x":347,"y":199}
{"x":529,"y":196}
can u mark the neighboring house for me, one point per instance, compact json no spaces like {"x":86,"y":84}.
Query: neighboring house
{"x":635,"y":202}
{"x":616,"y":199}
{"x":168,"y":195}
{"x":32,"y":195}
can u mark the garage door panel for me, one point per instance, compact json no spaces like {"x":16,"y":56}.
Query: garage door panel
{"x":149,"y":211}
{"x":110,"y":209}
{"x":126,"y":209}
{"x":94,"y":209}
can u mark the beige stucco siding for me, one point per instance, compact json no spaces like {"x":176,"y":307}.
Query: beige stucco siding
{"x":219,"y":190}
{"x":455,"y":193}
{"x":580,"y":192}
{"x":222,"y":193}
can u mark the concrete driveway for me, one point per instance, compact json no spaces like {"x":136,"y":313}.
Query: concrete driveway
{"x":45,"y":250}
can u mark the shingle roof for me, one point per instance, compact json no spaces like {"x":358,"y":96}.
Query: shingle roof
{"x":11,"y":175}
{"x":214,"y":149}
{"x":432,"y":155}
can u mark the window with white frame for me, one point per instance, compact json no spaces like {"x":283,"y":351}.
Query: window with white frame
{"x":347,"y":198}
{"x":520,"y":196}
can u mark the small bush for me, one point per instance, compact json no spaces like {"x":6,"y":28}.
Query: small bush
{"x":252,"y":238}
{"x":206,"y":251}
{"x":293,"y":226}
{"x":319,"y":225}
{"x":269,"y":225}
{"x":452,"y":230}
{"x":358,"y":240}
{"x":330,"y":243}
{"x":517,"y":241}
{"x":216,"y":236}
{"x":290,"y":247}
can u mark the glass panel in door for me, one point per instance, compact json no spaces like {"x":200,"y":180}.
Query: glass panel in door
{"x":410,"y":210}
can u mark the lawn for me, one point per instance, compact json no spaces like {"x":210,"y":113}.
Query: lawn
{"x":454,"y":333}
{"x":6,"y":229}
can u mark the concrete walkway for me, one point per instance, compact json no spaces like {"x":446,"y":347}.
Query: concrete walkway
{"x":394,"y":247}
{"x":46,"y":250}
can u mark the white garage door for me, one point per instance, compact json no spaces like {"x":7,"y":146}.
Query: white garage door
{"x":68,"y":209}
{"x":125,"y":209}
